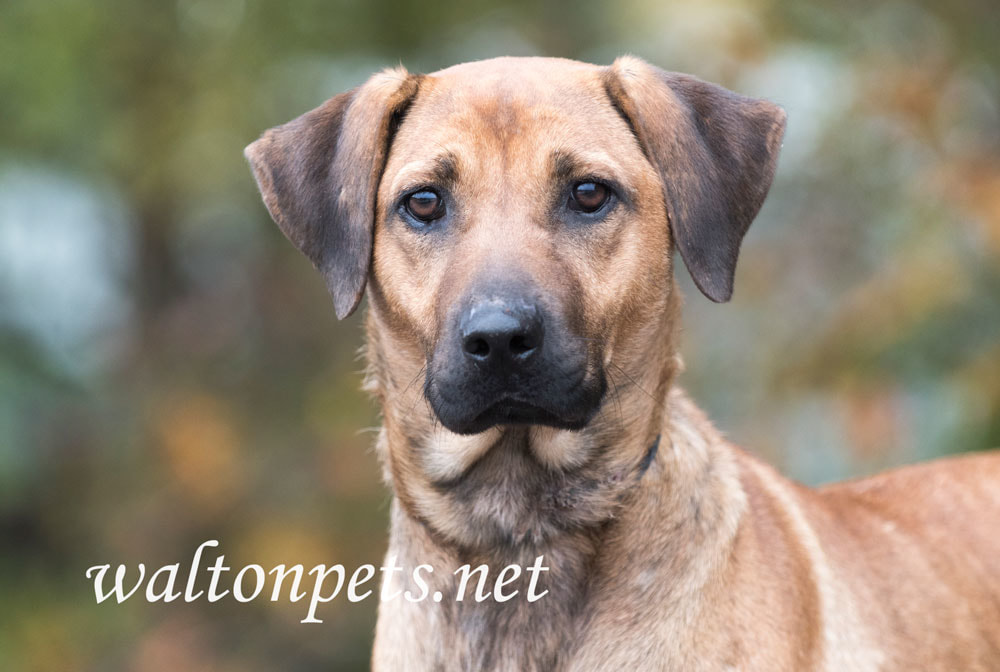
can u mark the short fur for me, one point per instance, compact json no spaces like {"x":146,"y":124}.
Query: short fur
{"x":709,"y":560}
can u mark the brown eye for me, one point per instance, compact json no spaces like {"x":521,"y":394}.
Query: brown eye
{"x":424,"y":205}
{"x":588,"y":196}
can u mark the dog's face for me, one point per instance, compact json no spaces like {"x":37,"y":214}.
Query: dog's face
{"x":514,"y":213}
{"x":512,"y":216}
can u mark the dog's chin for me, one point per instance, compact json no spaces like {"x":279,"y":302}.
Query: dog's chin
{"x":473,"y":419}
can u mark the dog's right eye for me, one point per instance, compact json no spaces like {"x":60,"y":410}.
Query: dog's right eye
{"x":588,"y":197}
{"x":424,"y":205}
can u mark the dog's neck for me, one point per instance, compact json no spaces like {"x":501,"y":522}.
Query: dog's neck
{"x":687,"y":500}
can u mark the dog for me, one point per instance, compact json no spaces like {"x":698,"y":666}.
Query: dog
{"x":514,"y":222}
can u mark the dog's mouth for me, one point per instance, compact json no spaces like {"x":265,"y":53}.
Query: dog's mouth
{"x":510,"y":411}
{"x":516,"y":367}
{"x":570,"y":411}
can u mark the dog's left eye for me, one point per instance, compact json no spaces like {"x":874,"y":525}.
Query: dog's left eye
{"x":588,"y":196}
{"x":424,"y":205}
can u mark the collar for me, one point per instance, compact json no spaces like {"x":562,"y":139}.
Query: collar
{"x":570,"y":496}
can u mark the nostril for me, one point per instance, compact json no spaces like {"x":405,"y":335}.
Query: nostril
{"x":521,"y":344}
{"x":497,"y":334}
{"x":477,"y":347}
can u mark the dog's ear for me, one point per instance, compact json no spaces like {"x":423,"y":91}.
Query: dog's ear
{"x":319,"y":177}
{"x":716,"y":152}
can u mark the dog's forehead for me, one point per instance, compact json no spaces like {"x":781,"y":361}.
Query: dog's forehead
{"x":517,"y":73}
{"x":513,"y":110}
{"x":512,"y":92}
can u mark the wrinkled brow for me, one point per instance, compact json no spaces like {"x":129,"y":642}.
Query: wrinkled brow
{"x":444,"y":168}
{"x":439,"y":170}
{"x":571,"y":165}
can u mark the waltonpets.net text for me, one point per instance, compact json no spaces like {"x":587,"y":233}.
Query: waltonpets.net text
{"x":321,"y":583}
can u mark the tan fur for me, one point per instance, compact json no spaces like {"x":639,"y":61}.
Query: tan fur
{"x":711,"y":560}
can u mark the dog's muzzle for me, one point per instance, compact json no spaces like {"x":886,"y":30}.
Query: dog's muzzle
{"x":504,"y":359}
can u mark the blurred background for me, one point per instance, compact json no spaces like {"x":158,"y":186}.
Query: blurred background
{"x":171,"y":370}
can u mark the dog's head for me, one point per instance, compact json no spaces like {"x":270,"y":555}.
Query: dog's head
{"x":514,"y":219}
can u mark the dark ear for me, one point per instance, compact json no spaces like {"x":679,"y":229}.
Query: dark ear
{"x":716,"y":152}
{"x":319,"y":176}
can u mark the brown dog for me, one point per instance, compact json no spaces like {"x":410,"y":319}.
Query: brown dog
{"x":514,"y":221}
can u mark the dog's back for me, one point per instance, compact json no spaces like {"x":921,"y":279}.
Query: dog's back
{"x":911,"y":556}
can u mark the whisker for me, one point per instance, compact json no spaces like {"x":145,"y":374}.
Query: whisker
{"x":616,"y":400}
{"x":632,"y":380}
{"x":413,"y":405}
{"x":423,"y":369}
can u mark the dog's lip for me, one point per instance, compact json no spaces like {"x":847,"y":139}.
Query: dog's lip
{"x":517,"y":411}
{"x":514,"y":408}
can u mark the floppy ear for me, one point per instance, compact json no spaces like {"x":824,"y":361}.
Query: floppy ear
{"x":716,"y":152}
{"x":319,"y":177}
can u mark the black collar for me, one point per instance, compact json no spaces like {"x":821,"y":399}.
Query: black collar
{"x":648,"y":458}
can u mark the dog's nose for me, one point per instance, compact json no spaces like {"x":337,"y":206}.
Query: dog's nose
{"x":498,"y":333}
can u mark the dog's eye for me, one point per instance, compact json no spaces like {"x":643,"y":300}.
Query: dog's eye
{"x":588,"y":196}
{"x":424,"y":205}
